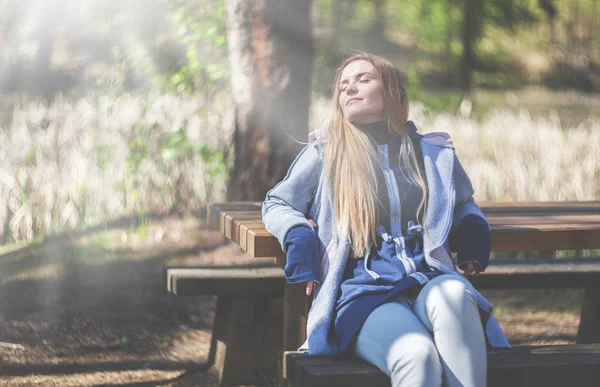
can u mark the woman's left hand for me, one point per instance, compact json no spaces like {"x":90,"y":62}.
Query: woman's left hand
{"x":471,"y":268}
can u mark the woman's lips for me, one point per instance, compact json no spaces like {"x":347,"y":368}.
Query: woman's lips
{"x":352,"y":100}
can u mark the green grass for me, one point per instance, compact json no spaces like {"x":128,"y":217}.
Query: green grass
{"x":559,"y":302}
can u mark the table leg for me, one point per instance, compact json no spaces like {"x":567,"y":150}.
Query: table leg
{"x":589,"y":324}
{"x":246,"y":344}
{"x":295,"y":310}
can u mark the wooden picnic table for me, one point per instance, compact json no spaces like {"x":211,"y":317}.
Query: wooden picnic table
{"x":519,"y":226}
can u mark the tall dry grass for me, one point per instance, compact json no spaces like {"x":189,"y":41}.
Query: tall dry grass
{"x":76,"y":163}
{"x":513,"y":156}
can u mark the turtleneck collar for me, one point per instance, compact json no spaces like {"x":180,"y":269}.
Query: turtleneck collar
{"x":378,"y":131}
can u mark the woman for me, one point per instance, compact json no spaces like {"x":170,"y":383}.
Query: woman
{"x":385,"y":200}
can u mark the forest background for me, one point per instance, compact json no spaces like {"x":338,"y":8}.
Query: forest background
{"x":119,"y":123}
{"x":119,"y":108}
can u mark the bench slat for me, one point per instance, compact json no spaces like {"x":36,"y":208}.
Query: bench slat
{"x":543,"y":237}
{"x":541,"y":206}
{"x":512,"y":274}
{"x":247,"y":281}
{"x":549,"y":366}
{"x":214,"y":210}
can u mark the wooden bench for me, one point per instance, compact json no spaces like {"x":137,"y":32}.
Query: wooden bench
{"x":246,"y":336}
{"x":548,"y":366}
{"x":515,"y":227}
{"x":549,"y":274}
{"x":551,"y":365}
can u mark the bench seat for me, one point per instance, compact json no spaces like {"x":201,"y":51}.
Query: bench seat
{"x":238,"y":281}
{"x":546,"y":274}
{"x":247,"y":329}
{"x":529,"y":274}
{"x":548,"y":366}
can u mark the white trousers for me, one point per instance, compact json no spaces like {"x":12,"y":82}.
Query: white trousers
{"x":434,"y":340}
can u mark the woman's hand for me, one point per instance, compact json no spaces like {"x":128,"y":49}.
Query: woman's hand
{"x":309,"y":287}
{"x":471,"y":268}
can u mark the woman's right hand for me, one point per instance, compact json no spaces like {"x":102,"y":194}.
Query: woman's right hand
{"x":309,"y":287}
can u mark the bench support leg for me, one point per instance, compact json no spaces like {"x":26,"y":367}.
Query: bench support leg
{"x":247,"y":339}
{"x":296,"y":305}
{"x":589,"y":324}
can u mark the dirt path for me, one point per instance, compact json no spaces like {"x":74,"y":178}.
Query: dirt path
{"x":90,"y":310}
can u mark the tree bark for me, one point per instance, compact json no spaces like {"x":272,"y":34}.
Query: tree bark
{"x":271,"y":57}
{"x":472,"y":25}
{"x":379,"y":24}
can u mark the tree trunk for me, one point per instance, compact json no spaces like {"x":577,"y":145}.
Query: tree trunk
{"x":379,"y":24}
{"x":449,"y":29}
{"x":334,"y":28}
{"x":591,"y":29}
{"x":271,"y":59}
{"x":471,"y":32}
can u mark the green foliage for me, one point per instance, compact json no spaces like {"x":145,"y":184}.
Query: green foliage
{"x":215,"y":163}
{"x":431,"y":32}
{"x":185,"y":53}
{"x":437,"y":102}
{"x":177,"y":147}
{"x":510,"y":13}
{"x":200,"y":27}
{"x":437,"y":26}
{"x":414,"y":83}
{"x":502,"y":80}
{"x":433,"y":102}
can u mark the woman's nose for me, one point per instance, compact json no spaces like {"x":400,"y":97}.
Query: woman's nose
{"x":351,"y":90}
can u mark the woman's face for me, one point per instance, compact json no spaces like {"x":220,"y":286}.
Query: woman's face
{"x":361,"y":93}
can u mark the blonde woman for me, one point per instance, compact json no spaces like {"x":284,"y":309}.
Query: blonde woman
{"x":385,"y":200}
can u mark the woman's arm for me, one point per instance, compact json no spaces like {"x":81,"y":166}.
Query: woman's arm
{"x":472,"y":229}
{"x":302,"y":256}
{"x":475,"y":241}
{"x":285,"y":211}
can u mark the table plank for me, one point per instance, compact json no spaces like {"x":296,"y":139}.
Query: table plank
{"x":520,"y":226}
{"x":238,"y":233}
{"x":523,"y":226}
{"x":504,"y":238}
{"x":240,"y":217}
{"x":545,"y":237}
{"x":214,"y":210}
{"x":541,"y":206}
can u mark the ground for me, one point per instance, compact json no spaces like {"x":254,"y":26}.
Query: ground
{"x":90,"y":308}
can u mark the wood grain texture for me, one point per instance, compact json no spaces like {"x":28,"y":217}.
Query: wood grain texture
{"x":541,"y":274}
{"x":235,"y":281}
{"x":515,"y":226}
{"x":549,"y":366}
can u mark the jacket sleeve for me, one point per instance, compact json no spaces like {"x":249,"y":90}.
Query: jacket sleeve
{"x":287,"y":205}
{"x":469,"y":223}
{"x":302,"y":256}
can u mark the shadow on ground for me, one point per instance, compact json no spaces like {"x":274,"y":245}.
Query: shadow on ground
{"x":94,"y":304}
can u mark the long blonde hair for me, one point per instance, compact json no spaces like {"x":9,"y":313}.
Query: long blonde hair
{"x":350,"y":161}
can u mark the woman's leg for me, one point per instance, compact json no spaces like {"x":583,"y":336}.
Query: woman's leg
{"x":394,"y":340}
{"x":450,"y":311}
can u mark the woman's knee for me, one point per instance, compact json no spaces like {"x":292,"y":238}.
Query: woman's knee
{"x":447,"y":291}
{"x":415,"y":361}
{"x":445,"y":297}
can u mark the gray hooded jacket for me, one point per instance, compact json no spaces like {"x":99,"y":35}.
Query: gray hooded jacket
{"x":301,"y":196}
